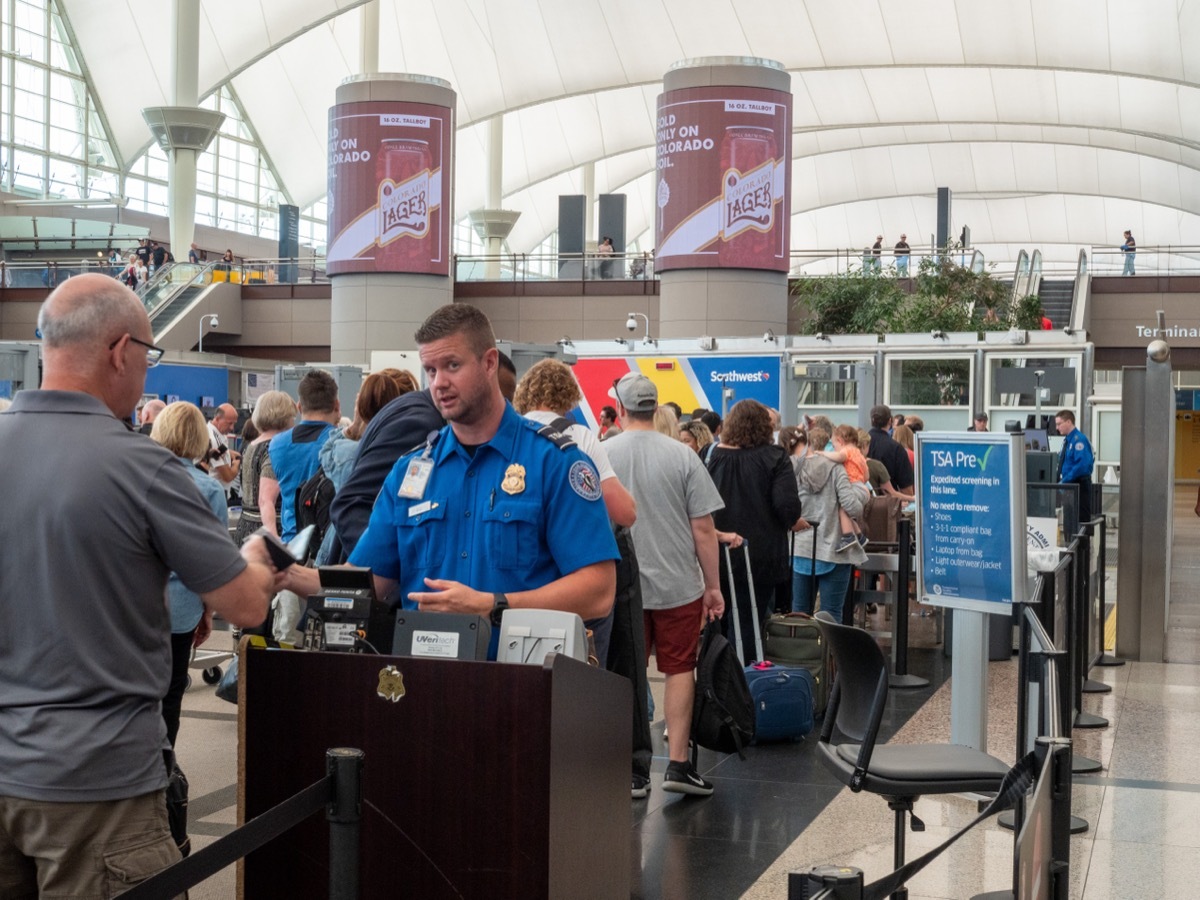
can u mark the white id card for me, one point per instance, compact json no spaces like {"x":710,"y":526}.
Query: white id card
{"x":416,"y":477}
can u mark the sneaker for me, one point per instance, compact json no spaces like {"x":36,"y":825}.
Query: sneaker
{"x":863,"y":540}
{"x":846,"y":542}
{"x":641,"y":787}
{"x":681,"y":778}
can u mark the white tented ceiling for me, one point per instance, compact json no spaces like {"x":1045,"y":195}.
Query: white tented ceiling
{"x":1055,"y":122}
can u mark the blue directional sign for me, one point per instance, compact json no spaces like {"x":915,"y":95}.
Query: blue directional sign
{"x":971,"y":515}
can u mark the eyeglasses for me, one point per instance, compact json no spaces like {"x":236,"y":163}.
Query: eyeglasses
{"x":154,"y":354}
{"x":616,"y":393}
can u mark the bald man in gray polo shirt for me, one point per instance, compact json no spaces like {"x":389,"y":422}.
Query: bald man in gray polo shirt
{"x":95,"y":517}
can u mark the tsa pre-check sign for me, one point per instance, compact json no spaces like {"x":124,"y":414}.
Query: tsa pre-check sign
{"x":971,"y":520}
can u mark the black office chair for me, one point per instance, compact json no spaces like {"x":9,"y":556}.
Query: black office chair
{"x":899,"y":772}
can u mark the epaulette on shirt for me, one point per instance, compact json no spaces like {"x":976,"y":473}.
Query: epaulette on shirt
{"x":556,"y":432}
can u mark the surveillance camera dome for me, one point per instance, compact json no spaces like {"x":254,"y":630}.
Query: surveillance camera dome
{"x":631,"y":323}
{"x":212,"y":323}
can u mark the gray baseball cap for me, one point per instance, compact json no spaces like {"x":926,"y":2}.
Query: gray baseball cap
{"x":636,"y":393}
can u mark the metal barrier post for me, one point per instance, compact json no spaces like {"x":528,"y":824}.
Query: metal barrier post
{"x":900,"y":677}
{"x":344,"y":813}
{"x":1088,"y":625}
{"x":1078,"y":613}
{"x":1104,"y":659}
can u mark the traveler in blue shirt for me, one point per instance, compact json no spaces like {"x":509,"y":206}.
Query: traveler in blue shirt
{"x":1076,"y":461}
{"x":295,"y":458}
{"x":489,"y":513}
{"x":295,"y":453}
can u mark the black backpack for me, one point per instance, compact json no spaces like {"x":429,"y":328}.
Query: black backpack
{"x":723,"y":714}
{"x":313,"y":501}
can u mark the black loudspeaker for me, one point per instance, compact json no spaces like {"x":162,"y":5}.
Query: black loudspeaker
{"x":572,"y":217}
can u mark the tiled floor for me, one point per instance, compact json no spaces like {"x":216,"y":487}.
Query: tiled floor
{"x":779,"y":811}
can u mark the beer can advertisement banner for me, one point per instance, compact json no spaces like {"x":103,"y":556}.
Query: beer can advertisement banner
{"x":723,"y":180}
{"x":389,"y":204}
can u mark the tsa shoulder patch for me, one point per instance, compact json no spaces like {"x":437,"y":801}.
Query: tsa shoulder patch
{"x":584,"y":480}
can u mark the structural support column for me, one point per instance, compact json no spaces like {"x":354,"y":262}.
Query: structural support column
{"x":369,"y":38}
{"x":589,"y":192}
{"x":183,"y":130}
{"x":723,"y":133}
{"x":391,"y":174}
{"x":492,"y":223}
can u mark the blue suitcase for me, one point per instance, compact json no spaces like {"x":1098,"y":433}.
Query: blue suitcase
{"x":783,"y":696}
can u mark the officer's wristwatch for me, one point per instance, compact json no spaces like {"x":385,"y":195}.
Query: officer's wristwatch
{"x":499,"y":605}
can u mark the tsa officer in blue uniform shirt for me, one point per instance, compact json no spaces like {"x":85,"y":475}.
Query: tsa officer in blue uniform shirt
{"x":1076,"y":461}
{"x":486,"y":514}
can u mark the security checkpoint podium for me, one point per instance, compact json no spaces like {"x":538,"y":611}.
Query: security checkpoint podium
{"x":482,"y":779}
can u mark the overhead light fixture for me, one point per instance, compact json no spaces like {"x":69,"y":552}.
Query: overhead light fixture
{"x":822,"y":336}
{"x":565,"y":341}
{"x":937,"y":334}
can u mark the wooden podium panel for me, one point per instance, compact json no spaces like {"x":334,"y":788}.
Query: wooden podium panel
{"x":483,"y":780}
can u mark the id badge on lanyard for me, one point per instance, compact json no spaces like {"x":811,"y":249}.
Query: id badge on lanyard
{"x":416,"y":474}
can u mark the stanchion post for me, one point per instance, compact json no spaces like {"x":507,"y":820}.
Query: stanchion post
{"x":1080,"y":612}
{"x":1104,"y":659}
{"x":344,"y":814}
{"x":900,"y":677}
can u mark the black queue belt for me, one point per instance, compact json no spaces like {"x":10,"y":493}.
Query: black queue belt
{"x":339,"y":792}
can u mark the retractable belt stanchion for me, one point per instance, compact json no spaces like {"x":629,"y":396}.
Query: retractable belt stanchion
{"x":1104,"y":659}
{"x":900,"y":678}
{"x":1079,"y":612}
{"x":1094,"y":610}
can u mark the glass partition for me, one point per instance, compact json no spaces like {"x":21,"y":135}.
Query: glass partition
{"x":1012,"y":388}
{"x":937,"y":390}
{"x":827,"y":387}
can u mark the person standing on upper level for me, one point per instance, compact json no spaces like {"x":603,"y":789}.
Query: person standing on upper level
{"x":1129,"y":248}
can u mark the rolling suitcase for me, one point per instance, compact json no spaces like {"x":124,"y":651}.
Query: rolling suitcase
{"x":783,"y":697}
{"x":794,"y":640}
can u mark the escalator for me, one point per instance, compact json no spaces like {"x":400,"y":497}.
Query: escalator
{"x":165,"y":315}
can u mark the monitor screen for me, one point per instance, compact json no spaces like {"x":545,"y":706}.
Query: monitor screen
{"x":1036,"y":439}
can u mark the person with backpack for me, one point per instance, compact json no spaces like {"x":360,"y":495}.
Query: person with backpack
{"x":294,"y":459}
{"x":339,"y":452}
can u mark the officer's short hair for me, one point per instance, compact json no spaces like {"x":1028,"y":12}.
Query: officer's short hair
{"x":458,"y":318}
{"x":318,"y":392}
{"x":1066,"y":415}
{"x":881,"y":415}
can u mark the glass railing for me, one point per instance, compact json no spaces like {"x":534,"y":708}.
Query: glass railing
{"x":277,"y":270}
{"x":554,"y":267}
{"x":1164,"y":260}
{"x":159,"y":291}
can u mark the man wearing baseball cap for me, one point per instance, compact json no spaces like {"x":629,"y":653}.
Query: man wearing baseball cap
{"x":676,"y":544}
{"x":981,"y":421}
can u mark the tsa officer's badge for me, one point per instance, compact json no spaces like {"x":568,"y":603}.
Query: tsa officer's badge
{"x":514,"y":479}
{"x":391,"y":684}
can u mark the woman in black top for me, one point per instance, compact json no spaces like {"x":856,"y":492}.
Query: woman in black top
{"x":762,"y":504}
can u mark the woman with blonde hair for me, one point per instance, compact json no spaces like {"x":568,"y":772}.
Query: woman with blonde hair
{"x":274,"y":412}
{"x":696,"y":435}
{"x":903,"y":435}
{"x":665,"y":422}
{"x":181,"y":429}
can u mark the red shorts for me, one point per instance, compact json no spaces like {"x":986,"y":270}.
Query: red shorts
{"x":674,"y":634}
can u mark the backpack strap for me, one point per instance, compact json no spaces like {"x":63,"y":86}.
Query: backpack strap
{"x":556,"y":433}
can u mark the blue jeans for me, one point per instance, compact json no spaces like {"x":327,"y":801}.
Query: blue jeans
{"x":831,"y":587}
{"x":1128,"y":264}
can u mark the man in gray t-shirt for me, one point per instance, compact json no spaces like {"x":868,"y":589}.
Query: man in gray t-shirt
{"x":676,"y":545}
{"x":95,"y":518}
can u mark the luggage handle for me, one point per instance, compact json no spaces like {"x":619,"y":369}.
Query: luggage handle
{"x":737,"y":627}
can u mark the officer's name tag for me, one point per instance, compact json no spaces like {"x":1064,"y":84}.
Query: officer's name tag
{"x":416,"y":477}
{"x":419,"y":508}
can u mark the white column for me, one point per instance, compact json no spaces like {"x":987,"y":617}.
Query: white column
{"x":181,"y":164}
{"x":495,"y":190}
{"x":369,"y":38}
{"x":589,"y":191}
